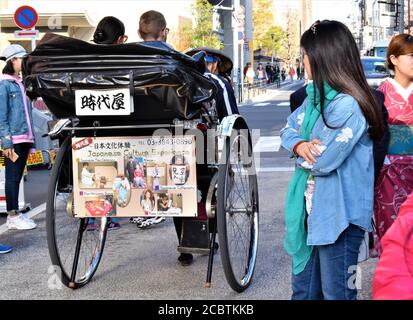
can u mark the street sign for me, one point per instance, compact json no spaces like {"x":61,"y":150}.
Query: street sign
{"x":25,"y":17}
{"x":26,"y":34}
{"x":241,"y":11}
{"x":241,"y":18}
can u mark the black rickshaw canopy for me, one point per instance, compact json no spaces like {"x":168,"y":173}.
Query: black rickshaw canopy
{"x":164,"y":83}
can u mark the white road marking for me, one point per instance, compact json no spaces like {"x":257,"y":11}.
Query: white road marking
{"x":32,"y":213}
{"x":268,"y":144}
{"x":276,"y":169}
{"x":283,"y":104}
{"x":262,"y":104}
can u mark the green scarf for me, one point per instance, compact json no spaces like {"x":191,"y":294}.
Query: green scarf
{"x":295,"y":242}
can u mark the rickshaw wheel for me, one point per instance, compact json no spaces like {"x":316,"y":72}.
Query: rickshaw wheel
{"x":237,"y":210}
{"x":75,"y":249}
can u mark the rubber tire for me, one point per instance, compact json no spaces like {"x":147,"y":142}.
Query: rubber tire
{"x":50,"y":223}
{"x":222,"y":225}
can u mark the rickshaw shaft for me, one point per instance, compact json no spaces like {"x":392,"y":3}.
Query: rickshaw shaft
{"x":211,"y":253}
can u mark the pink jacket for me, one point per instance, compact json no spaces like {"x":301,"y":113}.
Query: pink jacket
{"x":393,"y":279}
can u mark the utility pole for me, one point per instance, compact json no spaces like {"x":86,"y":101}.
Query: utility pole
{"x":408,"y":16}
{"x":301,"y":55}
{"x":272,"y":52}
{"x":232,"y":13}
{"x":400,"y":12}
{"x":235,"y":70}
{"x":362,"y":23}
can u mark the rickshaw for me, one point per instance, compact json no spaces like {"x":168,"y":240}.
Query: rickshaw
{"x":169,"y":92}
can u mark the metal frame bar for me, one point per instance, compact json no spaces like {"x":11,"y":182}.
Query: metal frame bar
{"x":150,"y":126}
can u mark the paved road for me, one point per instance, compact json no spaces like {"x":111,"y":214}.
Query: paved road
{"x":141,"y":264}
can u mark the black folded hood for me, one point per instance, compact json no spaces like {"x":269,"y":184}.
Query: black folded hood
{"x":165,"y":84}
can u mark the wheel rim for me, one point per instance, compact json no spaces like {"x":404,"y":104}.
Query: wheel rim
{"x":241,"y":211}
{"x":65,"y":230}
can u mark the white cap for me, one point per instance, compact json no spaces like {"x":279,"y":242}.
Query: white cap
{"x":13,"y":51}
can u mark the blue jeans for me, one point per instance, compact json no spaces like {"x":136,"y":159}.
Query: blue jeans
{"x":14,"y":174}
{"x":330,"y":272}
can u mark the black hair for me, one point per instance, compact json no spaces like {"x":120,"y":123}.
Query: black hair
{"x":335,"y":59}
{"x":174,"y":158}
{"x":108,"y":31}
{"x":8,"y":68}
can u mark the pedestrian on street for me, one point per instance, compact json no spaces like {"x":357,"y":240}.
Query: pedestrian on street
{"x":269,"y":71}
{"x":16,"y":133}
{"x":283,"y":74}
{"x":330,"y":197}
{"x":246,"y":69}
{"x":250,"y":75}
{"x":291,"y":73}
{"x":277,"y":76}
{"x":395,"y":182}
{"x":260,"y":73}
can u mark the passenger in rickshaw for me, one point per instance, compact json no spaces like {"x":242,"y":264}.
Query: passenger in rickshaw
{"x":110,"y":30}
{"x":153,"y":30}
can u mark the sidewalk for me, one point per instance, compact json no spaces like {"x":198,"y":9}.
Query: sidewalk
{"x":272,"y":91}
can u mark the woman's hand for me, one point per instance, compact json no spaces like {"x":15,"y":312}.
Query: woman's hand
{"x":308,"y":151}
{"x":8,"y":153}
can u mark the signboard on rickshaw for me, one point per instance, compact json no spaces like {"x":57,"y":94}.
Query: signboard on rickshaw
{"x":134,"y":176}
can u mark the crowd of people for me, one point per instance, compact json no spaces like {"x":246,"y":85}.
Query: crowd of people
{"x":352,"y":145}
{"x":271,"y":74}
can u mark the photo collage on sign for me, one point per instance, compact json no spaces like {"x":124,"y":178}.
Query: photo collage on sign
{"x":153,"y":181}
{"x":102,"y":175}
{"x":129,"y":177}
{"x":100,"y":205}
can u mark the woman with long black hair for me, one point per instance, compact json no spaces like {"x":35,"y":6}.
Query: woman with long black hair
{"x":330,"y":197}
{"x":110,"y":30}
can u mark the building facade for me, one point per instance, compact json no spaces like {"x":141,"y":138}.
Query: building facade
{"x":379,"y":20}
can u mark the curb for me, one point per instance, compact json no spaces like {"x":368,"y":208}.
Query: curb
{"x":268,"y":95}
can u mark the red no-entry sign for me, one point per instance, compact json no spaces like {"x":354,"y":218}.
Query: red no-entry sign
{"x":25,"y":17}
